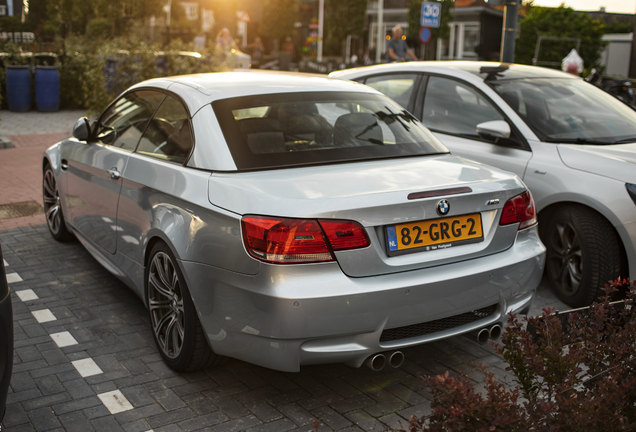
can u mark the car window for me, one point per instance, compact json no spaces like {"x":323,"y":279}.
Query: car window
{"x":455,"y":108}
{"x":122,"y":124}
{"x":568,"y":110}
{"x":279,"y":130}
{"x":169,"y":134}
{"x":398,"y":87}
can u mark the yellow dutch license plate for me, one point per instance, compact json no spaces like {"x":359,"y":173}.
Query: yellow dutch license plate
{"x":434,"y":234}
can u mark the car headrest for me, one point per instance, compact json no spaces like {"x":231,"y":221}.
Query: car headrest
{"x":356,"y":129}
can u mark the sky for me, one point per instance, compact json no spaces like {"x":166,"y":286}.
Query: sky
{"x":616,"y":6}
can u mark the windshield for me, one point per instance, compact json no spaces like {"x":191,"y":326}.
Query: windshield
{"x":569,"y":110}
{"x":282,"y":130}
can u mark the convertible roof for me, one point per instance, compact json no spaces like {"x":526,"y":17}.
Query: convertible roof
{"x":201,"y":89}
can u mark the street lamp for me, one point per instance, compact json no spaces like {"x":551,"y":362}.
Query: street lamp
{"x":321,"y":19}
{"x":380,"y":33}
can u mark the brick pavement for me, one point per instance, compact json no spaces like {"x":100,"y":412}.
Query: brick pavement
{"x":107,"y":323}
{"x":85,"y":358}
{"x":21,"y":176}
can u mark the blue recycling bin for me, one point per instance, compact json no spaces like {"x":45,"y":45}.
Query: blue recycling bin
{"x":47,"y":88}
{"x":18,"y":88}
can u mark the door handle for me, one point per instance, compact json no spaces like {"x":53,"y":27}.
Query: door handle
{"x":64,"y":164}
{"x":114,"y":173}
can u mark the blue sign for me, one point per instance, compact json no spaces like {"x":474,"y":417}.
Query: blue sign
{"x":431,"y":12}
{"x":425,"y":35}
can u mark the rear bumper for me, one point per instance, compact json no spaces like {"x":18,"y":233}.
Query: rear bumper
{"x":288,"y":316}
{"x":6,"y":349}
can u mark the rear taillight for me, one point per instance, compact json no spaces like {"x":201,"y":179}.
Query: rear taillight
{"x":294,"y":241}
{"x":345,"y":235}
{"x":519,"y":209}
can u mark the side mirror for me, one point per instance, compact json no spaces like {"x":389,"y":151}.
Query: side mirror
{"x":82,"y":129}
{"x":494,"y":129}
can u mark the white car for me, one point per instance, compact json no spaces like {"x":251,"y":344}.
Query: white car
{"x":290,"y":219}
{"x":573,"y":145}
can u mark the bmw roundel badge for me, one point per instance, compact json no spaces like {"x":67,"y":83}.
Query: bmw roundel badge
{"x":443,"y":207}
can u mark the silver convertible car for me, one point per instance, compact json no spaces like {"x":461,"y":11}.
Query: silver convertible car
{"x":289,"y":219}
{"x":573,"y":145}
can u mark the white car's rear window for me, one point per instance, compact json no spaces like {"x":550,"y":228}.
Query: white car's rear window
{"x":280,"y":130}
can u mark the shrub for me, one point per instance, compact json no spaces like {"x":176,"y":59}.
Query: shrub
{"x":99,"y":28}
{"x":573,"y":372}
{"x":93,"y":72}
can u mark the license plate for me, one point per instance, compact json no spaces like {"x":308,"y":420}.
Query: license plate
{"x":429,"y":235}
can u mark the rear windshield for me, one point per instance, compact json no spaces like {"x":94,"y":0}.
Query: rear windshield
{"x":293,"y":129}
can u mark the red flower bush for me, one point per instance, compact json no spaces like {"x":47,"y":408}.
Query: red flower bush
{"x":573,"y":372}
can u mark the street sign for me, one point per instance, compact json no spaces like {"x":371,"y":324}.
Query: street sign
{"x":424,"y":34}
{"x":242,"y":16}
{"x":431,"y":12}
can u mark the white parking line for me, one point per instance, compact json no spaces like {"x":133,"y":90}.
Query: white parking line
{"x":115,"y":401}
{"x":13,"y":278}
{"x":44,"y":315}
{"x":6,"y":264}
{"x":63,"y":339}
{"x":87,"y":367}
{"x":26,"y":295}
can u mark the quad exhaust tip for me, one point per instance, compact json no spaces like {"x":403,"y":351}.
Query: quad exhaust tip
{"x":377,"y":362}
{"x":396,"y":359}
{"x":494,"y":333}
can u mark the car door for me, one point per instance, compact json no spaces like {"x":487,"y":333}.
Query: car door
{"x":452,"y":109}
{"x":94,"y":170}
{"x":154,"y":180}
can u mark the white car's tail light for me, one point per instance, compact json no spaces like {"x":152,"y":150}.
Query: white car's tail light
{"x":519,"y":209}
{"x":345,"y":235}
{"x":295,"y":241}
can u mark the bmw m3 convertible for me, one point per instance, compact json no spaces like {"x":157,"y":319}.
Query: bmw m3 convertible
{"x":288,"y":219}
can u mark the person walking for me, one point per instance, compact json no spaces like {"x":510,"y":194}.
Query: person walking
{"x":397,"y":49}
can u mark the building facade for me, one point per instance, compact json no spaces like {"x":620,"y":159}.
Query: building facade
{"x":14,"y":8}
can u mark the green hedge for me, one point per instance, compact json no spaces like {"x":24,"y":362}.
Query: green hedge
{"x":85,"y":81}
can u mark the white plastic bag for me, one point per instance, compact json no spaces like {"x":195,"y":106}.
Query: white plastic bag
{"x":573,"y":58}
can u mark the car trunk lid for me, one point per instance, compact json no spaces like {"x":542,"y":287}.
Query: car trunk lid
{"x":381,"y":194}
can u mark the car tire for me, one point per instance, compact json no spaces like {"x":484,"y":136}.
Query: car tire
{"x":53,"y":207}
{"x":583,"y":254}
{"x":173,"y":319}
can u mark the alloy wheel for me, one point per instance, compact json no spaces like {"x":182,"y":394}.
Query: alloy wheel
{"x":51,"y":198}
{"x":566,"y":258}
{"x":166,"y":306}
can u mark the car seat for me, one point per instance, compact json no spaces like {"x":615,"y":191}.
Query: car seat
{"x":357,"y":129}
{"x":263,"y":135}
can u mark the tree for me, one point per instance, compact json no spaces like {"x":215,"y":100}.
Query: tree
{"x":442,"y":32}
{"x":278,"y":18}
{"x":616,"y":26}
{"x":225,"y":15}
{"x":346,"y":17}
{"x":561,"y":22}
{"x":342,"y":18}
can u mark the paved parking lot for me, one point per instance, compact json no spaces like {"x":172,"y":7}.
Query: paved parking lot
{"x":85,"y":358}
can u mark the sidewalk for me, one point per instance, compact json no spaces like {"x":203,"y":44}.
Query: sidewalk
{"x":21,"y":176}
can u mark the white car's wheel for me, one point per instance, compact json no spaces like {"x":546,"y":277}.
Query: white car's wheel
{"x":173,"y":319}
{"x":53,"y":208}
{"x":583,"y":254}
